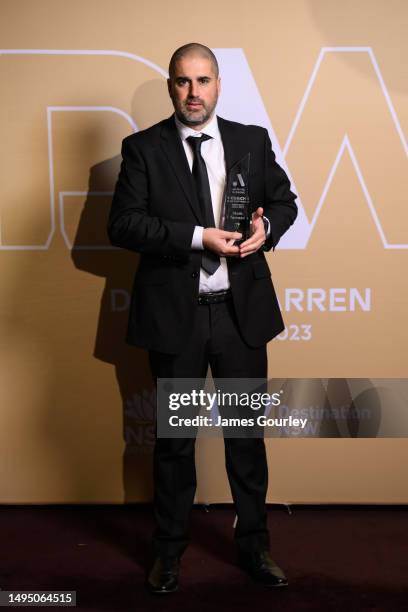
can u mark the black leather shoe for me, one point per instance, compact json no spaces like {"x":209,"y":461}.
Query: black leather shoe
{"x":163,"y":577}
{"x":262,"y":568}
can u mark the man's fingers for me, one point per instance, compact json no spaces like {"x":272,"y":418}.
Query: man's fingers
{"x":258,"y":235}
{"x":230,"y":235}
{"x":253,"y":243}
{"x":252,"y":240}
{"x":231,"y":251}
{"x":249,"y":250}
{"x":258,"y":213}
{"x":230,"y":242}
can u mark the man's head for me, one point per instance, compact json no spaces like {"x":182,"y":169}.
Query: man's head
{"x":194,"y":84}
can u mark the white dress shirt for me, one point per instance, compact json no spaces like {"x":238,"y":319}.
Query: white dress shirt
{"x":212,"y":152}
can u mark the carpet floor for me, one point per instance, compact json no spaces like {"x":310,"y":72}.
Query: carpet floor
{"x":336,"y":558}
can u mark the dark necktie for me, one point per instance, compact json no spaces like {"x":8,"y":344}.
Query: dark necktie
{"x":210,"y":262}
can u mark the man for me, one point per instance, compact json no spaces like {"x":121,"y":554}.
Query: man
{"x":199,"y":298}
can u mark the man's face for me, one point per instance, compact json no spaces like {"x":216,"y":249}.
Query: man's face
{"x":194,"y":90}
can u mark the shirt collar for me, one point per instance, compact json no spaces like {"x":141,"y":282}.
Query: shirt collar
{"x":211,"y":129}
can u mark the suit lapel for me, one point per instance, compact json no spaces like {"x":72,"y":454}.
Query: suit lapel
{"x":174,"y":151}
{"x":234,"y":147}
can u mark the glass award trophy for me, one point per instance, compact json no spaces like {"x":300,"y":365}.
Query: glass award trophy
{"x":237,"y":214}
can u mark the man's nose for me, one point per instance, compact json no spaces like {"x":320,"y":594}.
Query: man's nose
{"x":193,"y":89}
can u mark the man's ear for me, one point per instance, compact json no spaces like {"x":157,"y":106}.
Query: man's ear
{"x":169,"y":87}
{"x":219,"y":85}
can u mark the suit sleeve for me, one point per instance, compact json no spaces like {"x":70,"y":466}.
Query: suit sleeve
{"x":130,"y":226}
{"x":279,"y":201}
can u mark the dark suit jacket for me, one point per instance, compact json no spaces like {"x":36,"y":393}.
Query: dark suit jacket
{"x":154,"y":212}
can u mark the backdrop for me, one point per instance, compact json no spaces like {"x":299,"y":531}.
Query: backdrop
{"x":329,"y":81}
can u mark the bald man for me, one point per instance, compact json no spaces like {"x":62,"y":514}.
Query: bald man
{"x":202,"y":296}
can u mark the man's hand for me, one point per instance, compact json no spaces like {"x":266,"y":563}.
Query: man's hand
{"x":220,"y":241}
{"x":258,"y":235}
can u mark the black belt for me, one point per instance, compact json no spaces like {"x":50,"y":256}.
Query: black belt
{"x":214,"y":297}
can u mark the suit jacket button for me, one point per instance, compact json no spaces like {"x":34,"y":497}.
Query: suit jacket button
{"x":194,"y":274}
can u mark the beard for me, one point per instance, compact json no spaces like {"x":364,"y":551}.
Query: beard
{"x":193,"y":117}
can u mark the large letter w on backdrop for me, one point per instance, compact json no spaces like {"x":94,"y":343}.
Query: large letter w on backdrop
{"x":66,"y":110}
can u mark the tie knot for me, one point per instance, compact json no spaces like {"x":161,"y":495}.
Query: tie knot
{"x":195,"y":141}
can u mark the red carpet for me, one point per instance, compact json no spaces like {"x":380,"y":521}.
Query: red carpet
{"x":336,"y":558}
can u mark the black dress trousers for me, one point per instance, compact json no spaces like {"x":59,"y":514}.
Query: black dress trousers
{"x":215,"y":340}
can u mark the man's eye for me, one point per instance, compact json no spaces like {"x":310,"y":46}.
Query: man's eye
{"x":181,"y":81}
{"x":204,"y":80}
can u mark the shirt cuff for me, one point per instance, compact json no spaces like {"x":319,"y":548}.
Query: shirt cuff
{"x":197,"y":241}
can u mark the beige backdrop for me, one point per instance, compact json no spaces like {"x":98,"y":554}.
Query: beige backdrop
{"x":71,"y":391}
